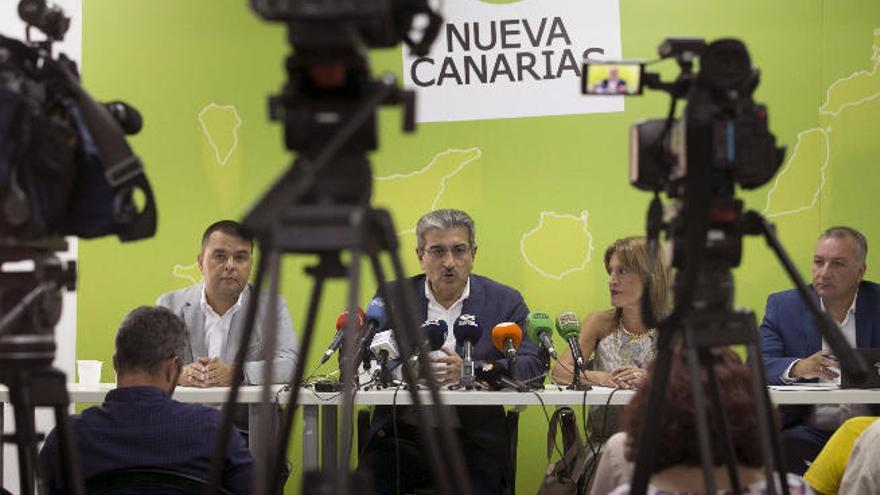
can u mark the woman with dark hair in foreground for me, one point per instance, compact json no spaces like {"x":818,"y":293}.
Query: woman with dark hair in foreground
{"x":677,"y":465}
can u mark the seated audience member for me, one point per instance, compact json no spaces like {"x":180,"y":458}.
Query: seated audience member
{"x":139,"y":424}
{"x":613,"y":469}
{"x":827,"y":469}
{"x":794,"y":351}
{"x":622,"y":343}
{"x":676,"y":467}
{"x":862,"y":473}
{"x":214,"y":313}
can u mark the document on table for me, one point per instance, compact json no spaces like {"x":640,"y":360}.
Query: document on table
{"x":805,"y":387}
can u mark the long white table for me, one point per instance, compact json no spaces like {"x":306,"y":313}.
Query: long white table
{"x":320,"y":408}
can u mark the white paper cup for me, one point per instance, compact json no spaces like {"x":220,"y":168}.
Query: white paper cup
{"x":89,"y":372}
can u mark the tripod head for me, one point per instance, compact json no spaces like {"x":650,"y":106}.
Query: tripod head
{"x":330,"y":90}
{"x":31,"y":280}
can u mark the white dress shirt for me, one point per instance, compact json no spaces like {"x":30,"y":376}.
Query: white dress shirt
{"x":217,"y":326}
{"x":436,"y":311}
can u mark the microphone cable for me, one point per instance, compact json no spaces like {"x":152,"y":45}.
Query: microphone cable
{"x":596,"y":450}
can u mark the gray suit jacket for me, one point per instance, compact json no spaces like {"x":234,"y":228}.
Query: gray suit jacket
{"x":186,"y":303}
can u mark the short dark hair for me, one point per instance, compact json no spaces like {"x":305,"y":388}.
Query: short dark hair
{"x":147,"y":337}
{"x":680,"y":444}
{"x":229,"y":227}
{"x":841,"y":231}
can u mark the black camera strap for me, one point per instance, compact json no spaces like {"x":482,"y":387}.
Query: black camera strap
{"x":123,"y":170}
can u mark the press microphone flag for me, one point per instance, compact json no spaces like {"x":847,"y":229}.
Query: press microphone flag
{"x":467,"y":334}
{"x":435,"y":333}
{"x":375,"y":320}
{"x":569,"y":328}
{"x":507,"y":336}
{"x":539,"y":328}
{"x":341,"y":320}
{"x":384,"y":342}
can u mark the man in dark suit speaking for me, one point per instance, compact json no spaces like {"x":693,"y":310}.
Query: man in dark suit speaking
{"x":447,"y":289}
{"x":793,"y":349}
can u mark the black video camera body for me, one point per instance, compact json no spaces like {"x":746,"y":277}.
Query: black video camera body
{"x":65,"y":166}
{"x":735,"y":142}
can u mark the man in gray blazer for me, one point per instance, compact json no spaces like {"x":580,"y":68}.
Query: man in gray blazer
{"x":214,"y":313}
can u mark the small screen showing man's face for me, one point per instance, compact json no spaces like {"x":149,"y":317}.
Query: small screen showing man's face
{"x":612,"y":79}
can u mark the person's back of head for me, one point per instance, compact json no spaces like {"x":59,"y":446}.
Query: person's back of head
{"x":677,"y":436}
{"x":150,"y":343}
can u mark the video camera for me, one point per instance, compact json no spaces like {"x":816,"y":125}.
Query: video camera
{"x":65,"y":166}
{"x":329,"y":73}
{"x":721,"y":112}
{"x":721,"y":140}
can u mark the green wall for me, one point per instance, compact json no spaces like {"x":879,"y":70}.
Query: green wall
{"x":173,"y":58}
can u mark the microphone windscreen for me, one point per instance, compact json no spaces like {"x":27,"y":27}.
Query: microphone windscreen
{"x":567,"y":323}
{"x":466,"y":329}
{"x":343,"y":318}
{"x":537,"y":323}
{"x":376,"y":312}
{"x":435,"y":333}
{"x":506,"y":330}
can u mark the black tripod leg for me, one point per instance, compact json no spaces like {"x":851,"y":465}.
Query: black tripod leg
{"x":219,"y":456}
{"x":406,"y":322}
{"x":298,"y":377}
{"x":723,"y":425}
{"x":703,"y":437}
{"x":67,"y":443}
{"x":652,"y":415}
{"x":263,"y":481}
{"x":25,"y":437}
{"x":771,"y":445}
{"x":350,"y":380}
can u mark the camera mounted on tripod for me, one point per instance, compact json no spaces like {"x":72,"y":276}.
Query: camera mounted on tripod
{"x":329,"y":84}
{"x":65,"y":167}
{"x":721,"y":140}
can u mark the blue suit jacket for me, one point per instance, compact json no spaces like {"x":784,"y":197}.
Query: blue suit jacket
{"x":483,"y":430}
{"x":788,"y":332}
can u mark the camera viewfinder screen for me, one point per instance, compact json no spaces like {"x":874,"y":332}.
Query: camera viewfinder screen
{"x":619,"y":78}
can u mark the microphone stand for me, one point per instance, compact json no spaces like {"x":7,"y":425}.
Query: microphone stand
{"x":467,"y":367}
{"x":579,"y":366}
{"x":384,"y":373}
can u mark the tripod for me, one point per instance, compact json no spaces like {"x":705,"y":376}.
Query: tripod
{"x":708,"y":321}
{"x":322,"y":209}
{"x":30,"y":303}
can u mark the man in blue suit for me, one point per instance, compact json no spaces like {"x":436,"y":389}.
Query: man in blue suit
{"x":793,"y":349}
{"x":446,"y":251}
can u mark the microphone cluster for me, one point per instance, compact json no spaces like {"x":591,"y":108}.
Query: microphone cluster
{"x":375,"y":339}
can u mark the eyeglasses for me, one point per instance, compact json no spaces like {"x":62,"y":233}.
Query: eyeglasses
{"x":439,"y":252}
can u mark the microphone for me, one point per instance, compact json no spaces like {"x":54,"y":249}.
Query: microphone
{"x":384,"y":342}
{"x":340,"y":327}
{"x":569,"y":328}
{"x":435,"y":333}
{"x":374,"y":321}
{"x":539,"y":328}
{"x":467,"y":334}
{"x":129,"y":118}
{"x":507,"y":336}
{"x":385,"y":348}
